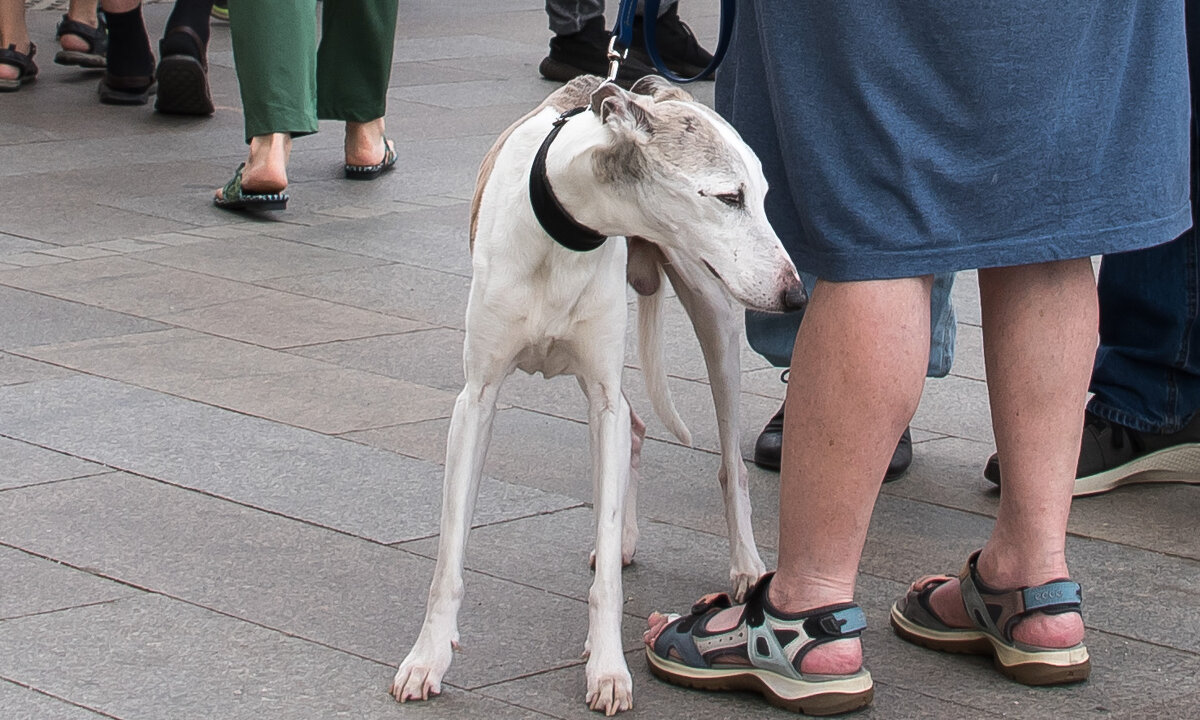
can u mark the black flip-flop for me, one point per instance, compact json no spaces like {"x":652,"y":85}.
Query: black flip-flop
{"x":233,"y":197}
{"x":370,"y":172}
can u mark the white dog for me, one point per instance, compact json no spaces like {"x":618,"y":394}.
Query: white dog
{"x":676,"y":180}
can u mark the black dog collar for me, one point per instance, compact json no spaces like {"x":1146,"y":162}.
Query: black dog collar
{"x":555,"y":220}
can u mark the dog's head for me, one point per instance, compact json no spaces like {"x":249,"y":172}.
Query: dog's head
{"x":699,"y":189}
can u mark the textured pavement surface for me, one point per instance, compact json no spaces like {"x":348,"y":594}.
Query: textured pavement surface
{"x":221,"y":438}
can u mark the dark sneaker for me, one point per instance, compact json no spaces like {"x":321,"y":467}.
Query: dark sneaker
{"x":677,"y":45}
{"x":1113,"y":455}
{"x":586,"y":53}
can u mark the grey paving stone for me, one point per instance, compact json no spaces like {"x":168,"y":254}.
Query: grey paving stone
{"x":11,"y":244}
{"x":561,"y":692}
{"x":280,"y":320}
{"x":253,"y":380}
{"x":430,"y":296}
{"x":32,"y":319}
{"x":24,"y":464}
{"x":451,"y":46}
{"x":254,"y":258}
{"x":426,"y":237}
{"x":955,"y":406}
{"x":357,"y":596}
{"x":334,"y":483}
{"x":34,"y":585}
{"x":130,"y":285}
{"x":134,"y":657}
{"x":16,"y":370}
{"x":21,"y":703}
{"x":473,"y":94}
{"x":426,"y":357}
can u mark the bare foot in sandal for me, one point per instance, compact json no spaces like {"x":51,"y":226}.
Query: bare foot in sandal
{"x":266,"y":168}
{"x":365,"y":143}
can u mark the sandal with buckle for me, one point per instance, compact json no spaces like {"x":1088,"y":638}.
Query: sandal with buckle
{"x":96,"y":56}
{"x":370,"y":172}
{"x":762,"y":653}
{"x":995,"y":614}
{"x":234,"y":197}
{"x":182,"y":76}
{"x":27,"y":69}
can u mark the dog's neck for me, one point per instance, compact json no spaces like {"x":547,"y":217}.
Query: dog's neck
{"x":550,"y":214}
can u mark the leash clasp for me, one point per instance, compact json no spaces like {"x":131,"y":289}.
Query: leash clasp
{"x":614,"y":58}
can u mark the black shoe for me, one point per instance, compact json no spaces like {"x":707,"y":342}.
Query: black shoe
{"x":586,"y":53}
{"x":768,"y":449}
{"x":183,"y":74}
{"x":677,"y":45}
{"x":1112,"y":455}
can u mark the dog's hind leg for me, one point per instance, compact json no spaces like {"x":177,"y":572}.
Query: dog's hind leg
{"x":420,"y":675}
{"x":609,"y":684}
{"x":718,"y":325}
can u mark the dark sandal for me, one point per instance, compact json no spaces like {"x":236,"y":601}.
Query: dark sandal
{"x":183,"y":78}
{"x":117,"y":90}
{"x":370,"y":172}
{"x":233,"y":197}
{"x":762,"y":653}
{"x":996,"y":613}
{"x":27,"y":69}
{"x":96,"y":56}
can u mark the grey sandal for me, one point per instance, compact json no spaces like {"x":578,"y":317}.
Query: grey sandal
{"x":762,"y":653}
{"x":996,"y":613}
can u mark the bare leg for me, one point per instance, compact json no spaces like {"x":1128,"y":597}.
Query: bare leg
{"x":13,"y":32}
{"x":364,"y":142}
{"x":266,"y":168}
{"x":1038,"y":367}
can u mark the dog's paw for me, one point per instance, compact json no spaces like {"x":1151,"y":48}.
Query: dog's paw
{"x":741,"y":580}
{"x":609,"y":692}
{"x":419,"y":676}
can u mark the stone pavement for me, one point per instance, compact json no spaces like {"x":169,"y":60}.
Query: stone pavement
{"x":221,"y":438}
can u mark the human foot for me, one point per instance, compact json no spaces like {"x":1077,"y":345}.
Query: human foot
{"x":808,"y":661}
{"x":1034,"y":632}
{"x":83,"y":39}
{"x":16,"y":67}
{"x":261,"y":180}
{"x":366,"y":144}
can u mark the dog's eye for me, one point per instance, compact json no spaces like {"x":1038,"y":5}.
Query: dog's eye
{"x":733,"y":199}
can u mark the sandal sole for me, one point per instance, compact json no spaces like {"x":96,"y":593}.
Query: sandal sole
{"x":822,"y":697}
{"x":1043,"y":667}
{"x":182,"y":87}
{"x":1178,"y":464}
{"x":78,"y":58}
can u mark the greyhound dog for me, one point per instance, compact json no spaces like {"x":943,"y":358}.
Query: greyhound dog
{"x":674,"y":179}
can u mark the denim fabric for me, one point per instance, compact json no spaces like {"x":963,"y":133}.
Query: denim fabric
{"x":1147,"y":372}
{"x":568,"y":16}
{"x":773,"y":334}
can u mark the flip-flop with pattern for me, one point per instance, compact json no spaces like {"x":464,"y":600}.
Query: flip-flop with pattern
{"x":370,"y":172}
{"x":233,"y":197}
{"x":762,"y":653}
{"x":996,"y":613}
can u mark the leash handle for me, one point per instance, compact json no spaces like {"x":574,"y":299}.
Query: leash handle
{"x":618,"y":47}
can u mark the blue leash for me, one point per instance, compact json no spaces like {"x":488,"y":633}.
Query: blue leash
{"x":622,"y":38}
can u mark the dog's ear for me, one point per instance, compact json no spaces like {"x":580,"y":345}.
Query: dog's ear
{"x":620,"y":110}
{"x":660,"y":89}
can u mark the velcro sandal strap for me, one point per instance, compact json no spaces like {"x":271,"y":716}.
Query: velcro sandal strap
{"x":847,"y":622}
{"x":1059,"y":595}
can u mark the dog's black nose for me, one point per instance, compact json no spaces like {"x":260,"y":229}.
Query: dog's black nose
{"x":795,"y":297}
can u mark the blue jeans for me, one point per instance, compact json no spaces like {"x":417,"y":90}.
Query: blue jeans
{"x":1147,"y":371}
{"x":772,"y":335}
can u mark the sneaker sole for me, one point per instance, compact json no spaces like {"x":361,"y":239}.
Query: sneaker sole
{"x":1179,"y":464}
{"x":1042,"y":667}
{"x":819,"y":697}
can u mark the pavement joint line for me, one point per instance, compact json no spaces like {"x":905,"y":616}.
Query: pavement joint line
{"x":59,"y":609}
{"x":495,"y":523}
{"x":55,"y":481}
{"x":51,"y":695}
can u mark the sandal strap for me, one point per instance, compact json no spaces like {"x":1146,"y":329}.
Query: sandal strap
{"x":996,"y":612}
{"x":23,"y":62}
{"x":96,"y":37}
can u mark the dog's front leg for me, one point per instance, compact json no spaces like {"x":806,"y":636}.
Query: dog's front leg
{"x":420,"y":675}
{"x":609,"y":685}
{"x":718,"y":326}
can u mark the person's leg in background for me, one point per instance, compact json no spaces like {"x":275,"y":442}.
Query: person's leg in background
{"x":354,"y":66}
{"x":773,"y":336}
{"x":129,"y":77}
{"x":274,"y":52}
{"x":16,"y":49}
{"x":82,"y":36}
{"x":183,"y":61}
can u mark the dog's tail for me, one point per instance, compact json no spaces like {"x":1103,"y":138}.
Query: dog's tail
{"x":650,"y":350}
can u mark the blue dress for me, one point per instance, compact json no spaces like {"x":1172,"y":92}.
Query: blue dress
{"x":909,"y":137}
